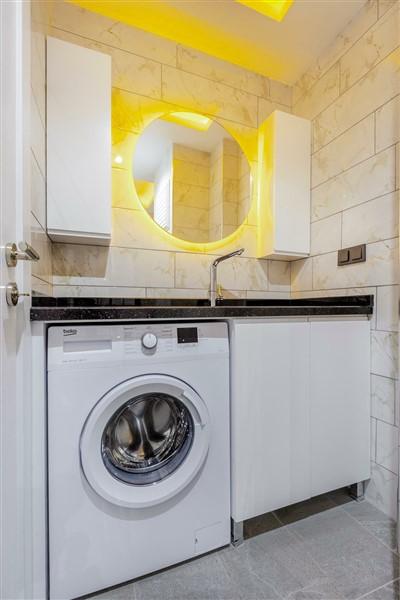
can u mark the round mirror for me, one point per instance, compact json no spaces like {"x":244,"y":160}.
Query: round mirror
{"x":192,"y":177}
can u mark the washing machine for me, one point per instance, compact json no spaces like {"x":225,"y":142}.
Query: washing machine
{"x":138,"y":450}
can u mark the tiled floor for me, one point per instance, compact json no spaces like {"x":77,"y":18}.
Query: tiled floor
{"x":328,"y":548}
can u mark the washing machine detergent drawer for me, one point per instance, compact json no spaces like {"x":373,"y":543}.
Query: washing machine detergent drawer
{"x":138,"y":451}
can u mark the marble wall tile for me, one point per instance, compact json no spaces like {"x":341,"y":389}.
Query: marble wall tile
{"x":136,"y":229}
{"x":301,"y":275}
{"x":370,"y":179}
{"x":267,"y":107}
{"x":123,"y":191}
{"x":388,"y":124}
{"x":320,"y":95}
{"x":378,"y":86}
{"x":193,"y":271}
{"x":373,"y":439}
{"x":40,"y":287}
{"x":280,"y":92}
{"x":374,"y":46}
{"x":38,"y":71}
{"x":38,"y":193}
{"x":42,"y":269}
{"x":380,"y":268}
{"x":383,"y":398}
{"x":279,"y":275}
{"x":93,"y":291}
{"x":130,"y":72}
{"x":354,"y":30}
{"x":100,"y":266}
{"x":200,"y":94}
{"x":253,"y":295}
{"x":326,"y":234}
{"x":210,"y":67}
{"x":371,"y":221}
{"x":158,"y":292}
{"x":38,"y":136}
{"x":382,"y":490}
{"x":352,"y":147}
{"x":387,"y":308}
{"x":387,"y":444}
{"x":91,"y":25}
{"x":384,"y":5}
{"x":384,"y":353}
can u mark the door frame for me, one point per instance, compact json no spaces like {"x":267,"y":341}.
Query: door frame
{"x":16,"y":540}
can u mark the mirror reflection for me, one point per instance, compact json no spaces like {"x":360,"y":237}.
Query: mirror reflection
{"x":192,"y":177}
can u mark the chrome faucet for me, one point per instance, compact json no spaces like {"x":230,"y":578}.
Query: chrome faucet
{"x":213,"y":273}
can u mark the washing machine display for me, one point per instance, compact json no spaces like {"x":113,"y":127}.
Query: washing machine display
{"x":138,"y":450}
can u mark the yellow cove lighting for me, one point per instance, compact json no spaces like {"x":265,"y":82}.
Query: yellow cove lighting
{"x":274,"y":9}
{"x":188,"y":119}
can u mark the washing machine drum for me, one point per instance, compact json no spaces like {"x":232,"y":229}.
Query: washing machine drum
{"x":145,"y":441}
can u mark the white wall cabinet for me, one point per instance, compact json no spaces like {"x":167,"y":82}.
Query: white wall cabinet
{"x":300,"y":410}
{"x":78,"y":143}
{"x":284,"y":187}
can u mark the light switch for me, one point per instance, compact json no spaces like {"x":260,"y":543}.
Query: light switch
{"x":355,"y":254}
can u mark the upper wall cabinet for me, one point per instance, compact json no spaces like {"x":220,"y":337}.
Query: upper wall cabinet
{"x":284,"y":187}
{"x":78,"y":143}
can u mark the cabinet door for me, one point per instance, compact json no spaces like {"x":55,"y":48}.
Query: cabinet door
{"x":340,"y":403}
{"x":270,"y":415}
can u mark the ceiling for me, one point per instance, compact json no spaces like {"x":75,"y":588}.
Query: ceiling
{"x":237,"y":33}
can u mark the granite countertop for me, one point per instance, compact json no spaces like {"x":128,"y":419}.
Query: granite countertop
{"x":138,"y":309}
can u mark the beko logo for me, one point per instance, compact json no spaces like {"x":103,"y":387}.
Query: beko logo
{"x":70,"y":332}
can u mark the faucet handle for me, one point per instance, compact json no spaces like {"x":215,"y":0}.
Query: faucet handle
{"x":220,"y":295}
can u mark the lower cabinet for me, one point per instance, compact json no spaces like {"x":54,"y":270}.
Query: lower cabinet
{"x":300,"y":410}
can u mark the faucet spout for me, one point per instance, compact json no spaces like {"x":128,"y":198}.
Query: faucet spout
{"x":213,"y":273}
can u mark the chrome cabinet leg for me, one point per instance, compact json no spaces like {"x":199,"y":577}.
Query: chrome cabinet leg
{"x":357,"y":491}
{"x":237,"y":533}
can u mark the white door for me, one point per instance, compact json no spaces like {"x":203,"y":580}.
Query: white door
{"x":15,"y":484}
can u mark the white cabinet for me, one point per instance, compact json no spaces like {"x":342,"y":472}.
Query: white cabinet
{"x":78,"y":143}
{"x":284,"y":187}
{"x":300,"y":410}
{"x":340,"y":403}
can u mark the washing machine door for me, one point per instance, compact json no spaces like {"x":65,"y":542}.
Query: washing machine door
{"x":145,"y":441}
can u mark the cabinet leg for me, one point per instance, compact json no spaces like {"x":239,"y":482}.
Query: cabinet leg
{"x":357,"y":491}
{"x":237,"y":533}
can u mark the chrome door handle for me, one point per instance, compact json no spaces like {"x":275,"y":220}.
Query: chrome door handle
{"x":13,"y":294}
{"x":24,"y":252}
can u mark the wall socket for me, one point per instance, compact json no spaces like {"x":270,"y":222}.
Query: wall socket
{"x":349,"y":256}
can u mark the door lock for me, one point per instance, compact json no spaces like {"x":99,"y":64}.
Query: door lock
{"x":13,"y":294}
{"x":23,"y":252}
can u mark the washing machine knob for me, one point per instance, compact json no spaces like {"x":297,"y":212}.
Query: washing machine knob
{"x":149,"y":340}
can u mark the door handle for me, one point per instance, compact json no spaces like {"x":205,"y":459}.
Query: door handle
{"x":13,"y":294}
{"x":24,"y":252}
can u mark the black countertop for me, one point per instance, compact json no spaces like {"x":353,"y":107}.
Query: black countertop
{"x":139,"y":309}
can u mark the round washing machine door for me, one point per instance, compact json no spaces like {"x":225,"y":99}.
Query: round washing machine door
{"x":145,"y":440}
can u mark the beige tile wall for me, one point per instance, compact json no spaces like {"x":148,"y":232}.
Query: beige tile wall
{"x":148,"y":69}
{"x":41,"y":271}
{"x":352,"y":96}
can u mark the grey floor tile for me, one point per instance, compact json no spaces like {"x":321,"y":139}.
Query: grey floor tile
{"x":124,"y":592}
{"x":261,"y":524}
{"x":305,"y":509}
{"x":354,"y":560}
{"x":388,"y":592}
{"x":377,"y":523}
{"x":201,"y":579}
{"x":340,"y":496}
{"x":278,"y":559}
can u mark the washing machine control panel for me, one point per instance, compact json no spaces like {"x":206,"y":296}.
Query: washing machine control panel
{"x":110,"y":344}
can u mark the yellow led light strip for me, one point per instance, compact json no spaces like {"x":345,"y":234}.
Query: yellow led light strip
{"x":274,"y":9}
{"x":188,"y":119}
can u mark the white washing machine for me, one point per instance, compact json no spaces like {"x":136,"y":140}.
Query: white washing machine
{"x":138,"y":450}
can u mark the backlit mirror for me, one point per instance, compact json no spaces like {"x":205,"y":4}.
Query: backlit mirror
{"x":192,"y":177}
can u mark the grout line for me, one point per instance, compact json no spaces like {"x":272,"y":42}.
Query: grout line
{"x":340,"y":173}
{"x":355,"y":123}
{"x":379,"y":588}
